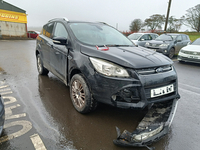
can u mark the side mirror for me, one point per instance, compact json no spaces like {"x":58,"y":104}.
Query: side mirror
{"x":141,"y":39}
{"x":60,"y":40}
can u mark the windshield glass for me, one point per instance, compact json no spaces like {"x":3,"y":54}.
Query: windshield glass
{"x":98,"y":34}
{"x":196,"y":42}
{"x":134,"y":36}
{"x":166,"y":37}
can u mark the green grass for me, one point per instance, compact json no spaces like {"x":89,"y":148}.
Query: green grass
{"x":193,"y":35}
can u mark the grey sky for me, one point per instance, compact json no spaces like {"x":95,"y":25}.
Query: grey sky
{"x":113,"y":12}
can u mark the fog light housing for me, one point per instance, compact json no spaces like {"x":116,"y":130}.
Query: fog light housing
{"x":143,"y":136}
{"x":114,"y":97}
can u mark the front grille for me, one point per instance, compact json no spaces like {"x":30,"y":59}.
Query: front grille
{"x":149,"y":88}
{"x":190,"y":52}
{"x":155,"y":70}
{"x":189,"y":59}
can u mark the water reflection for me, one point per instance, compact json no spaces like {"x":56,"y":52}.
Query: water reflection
{"x":95,"y":130}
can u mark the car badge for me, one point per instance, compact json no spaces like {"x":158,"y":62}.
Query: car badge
{"x":194,"y":53}
{"x":158,"y":70}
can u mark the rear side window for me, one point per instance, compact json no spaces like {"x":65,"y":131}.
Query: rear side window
{"x":154,"y":36}
{"x":48,"y":29}
{"x":179,"y":38}
{"x":184,"y":37}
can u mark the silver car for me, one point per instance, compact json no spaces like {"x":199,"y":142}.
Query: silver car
{"x":141,"y":38}
{"x":190,"y":53}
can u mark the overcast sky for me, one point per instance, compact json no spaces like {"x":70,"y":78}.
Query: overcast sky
{"x":118,"y":13}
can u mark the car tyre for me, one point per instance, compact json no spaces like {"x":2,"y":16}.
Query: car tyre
{"x":181,"y":61}
{"x":171,"y":53}
{"x":80,"y":95}
{"x":41,"y":69}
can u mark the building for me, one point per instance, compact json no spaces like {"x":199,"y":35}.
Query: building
{"x":13,"y":21}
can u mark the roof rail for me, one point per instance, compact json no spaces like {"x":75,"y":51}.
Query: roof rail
{"x":64,"y":18}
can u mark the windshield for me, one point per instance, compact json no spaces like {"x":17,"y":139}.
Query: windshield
{"x":98,"y":34}
{"x":134,"y":36}
{"x":196,"y":42}
{"x":166,"y":37}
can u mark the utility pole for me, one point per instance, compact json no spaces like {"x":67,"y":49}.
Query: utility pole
{"x":168,"y":10}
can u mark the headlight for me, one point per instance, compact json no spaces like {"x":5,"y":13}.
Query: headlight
{"x":164,"y":45}
{"x":146,"y":135}
{"x":108,"y":68}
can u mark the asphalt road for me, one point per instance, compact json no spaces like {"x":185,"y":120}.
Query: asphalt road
{"x":40,"y":115}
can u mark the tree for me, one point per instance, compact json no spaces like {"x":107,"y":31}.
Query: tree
{"x":174,"y":24}
{"x":136,"y":25}
{"x":155,"y":21}
{"x":192,"y":18}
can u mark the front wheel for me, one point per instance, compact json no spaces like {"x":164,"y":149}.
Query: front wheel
{"x":41,"y":69}
{"x":80,"y":95}
{"x":171,"y":53}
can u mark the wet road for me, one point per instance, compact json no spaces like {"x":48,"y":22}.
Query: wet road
{"x":42,"y":109}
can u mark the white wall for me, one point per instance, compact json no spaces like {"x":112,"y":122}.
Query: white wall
{"x":11,"y":29}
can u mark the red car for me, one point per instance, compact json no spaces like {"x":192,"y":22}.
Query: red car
{"x":32,"y":34}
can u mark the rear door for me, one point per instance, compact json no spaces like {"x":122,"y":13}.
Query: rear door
{"x":179,"y":44}
{"x":59,"y":53}
{"x":45,"y":44}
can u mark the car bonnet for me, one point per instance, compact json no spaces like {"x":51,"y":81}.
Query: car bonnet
{"x":132,"y":57}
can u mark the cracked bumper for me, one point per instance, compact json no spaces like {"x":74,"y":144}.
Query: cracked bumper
{"x":156,"y":124}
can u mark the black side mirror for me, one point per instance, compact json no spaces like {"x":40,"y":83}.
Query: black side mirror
{"x":60,"y":40}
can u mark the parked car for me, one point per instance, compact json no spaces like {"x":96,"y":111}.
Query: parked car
{"x":32,"y":34}
{"x":2,"y":114}
{"x":141,"y":38}
{"x":169,"y":44}
{"x":101,"y":65}
{"x":190,"y":53}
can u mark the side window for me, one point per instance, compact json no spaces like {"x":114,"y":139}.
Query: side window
{"x":44,"y":29}
{"x":60,"y":31}
{"x":179,"y":38}
{"x":145,"y":37}
{"x":184,"y":37}
{"x":154,"y":36}
{"x":49,"y":29}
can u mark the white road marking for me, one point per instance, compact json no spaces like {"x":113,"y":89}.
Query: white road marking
{"x":5,"y":93}
{"x":37,"y":142}
{"x":26,"y":126}
{"x":5,"y":86}
{"x":11,"y":100}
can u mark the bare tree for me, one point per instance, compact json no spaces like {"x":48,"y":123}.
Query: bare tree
{"x":192,"y":18}
{"x":174,"y":24}
{"x":155,"y":21}
{"x":136,"y":25}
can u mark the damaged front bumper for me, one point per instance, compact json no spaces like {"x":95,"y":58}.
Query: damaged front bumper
{"x":153,"y":126}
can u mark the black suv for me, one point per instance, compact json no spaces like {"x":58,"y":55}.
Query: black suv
{"x":169,"y":44}
{"x":100,"y":64}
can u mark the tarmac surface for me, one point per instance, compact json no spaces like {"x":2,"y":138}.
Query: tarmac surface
{"x":40,"y":115}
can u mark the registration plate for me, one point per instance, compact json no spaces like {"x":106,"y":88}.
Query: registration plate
{"x":193,"y":57}
{"x":162,"y":91}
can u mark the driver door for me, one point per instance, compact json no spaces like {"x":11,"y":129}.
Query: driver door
{"x":59,"y":53}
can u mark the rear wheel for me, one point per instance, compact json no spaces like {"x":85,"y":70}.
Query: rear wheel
{"x":41,"y":69}
{"x":171,"y":53}
{"x":80,"y":95}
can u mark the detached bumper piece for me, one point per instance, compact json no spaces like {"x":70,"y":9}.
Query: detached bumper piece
{"x":153,"y":126}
